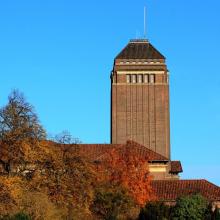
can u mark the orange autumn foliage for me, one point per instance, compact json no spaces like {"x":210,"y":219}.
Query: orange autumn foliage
{"x":124,"y":166}
{"x":47,"y":184}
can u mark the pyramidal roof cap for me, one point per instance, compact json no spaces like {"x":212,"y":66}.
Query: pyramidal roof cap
{"x":139,"y":41}
{"x":139,"y":49}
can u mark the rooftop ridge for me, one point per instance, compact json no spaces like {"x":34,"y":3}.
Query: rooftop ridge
{"x":138,"y":41}
{"x":136,"y":144}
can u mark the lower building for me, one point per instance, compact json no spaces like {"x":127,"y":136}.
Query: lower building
{"x":168,"y":191}
{"x":166,"y":183}
{"x":159,"y":166}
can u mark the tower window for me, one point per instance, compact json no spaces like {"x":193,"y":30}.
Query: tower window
{"x":128,"y":78}
{"x":167,"y":79}
{"x":145,"y":78}
{"x":152,"y":78}
{"x":134,"y":78}
{"x":140,"y":78}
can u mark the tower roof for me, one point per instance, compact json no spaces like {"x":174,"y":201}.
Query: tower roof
{"x":139,"y":49}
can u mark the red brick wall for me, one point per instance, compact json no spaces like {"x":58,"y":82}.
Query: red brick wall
{"x":140,"y":112}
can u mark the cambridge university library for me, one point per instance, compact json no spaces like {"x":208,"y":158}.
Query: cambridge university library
{"x":140,"y":119}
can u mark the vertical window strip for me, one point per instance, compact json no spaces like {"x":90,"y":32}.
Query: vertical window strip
{"x":167,"y":79}
{"x":145,"y":78}
{"x":152,"y":78}
{"x":140,"y":78}
{"x":134,"y":79}
{"x":128,"y":78}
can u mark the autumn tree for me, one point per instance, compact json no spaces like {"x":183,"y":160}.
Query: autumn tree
{"x":65,"y":137}
{"x":18,"y":124}
{"x":65,"y":141}
{"x":126,"y":167}
{"x":68,"y":182}
{"x":18,"y":196}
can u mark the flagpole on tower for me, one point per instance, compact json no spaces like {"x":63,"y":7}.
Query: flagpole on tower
{"x":145,"y":23}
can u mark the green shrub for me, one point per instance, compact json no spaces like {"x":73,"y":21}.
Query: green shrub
{"x":193,"y":207}
{"x":155,"y":211}
{"x":110,"y":203}
{"x":216,"y":214}
{"x":18,"y":216}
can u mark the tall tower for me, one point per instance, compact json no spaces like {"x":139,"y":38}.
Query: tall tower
{"x":140,"y":97}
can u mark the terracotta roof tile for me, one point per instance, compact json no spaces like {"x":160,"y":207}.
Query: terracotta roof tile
{"x":176,"y":167}
{"x":170,"y":190}
{"x":142,"y":150}
{"x":96,"y":151}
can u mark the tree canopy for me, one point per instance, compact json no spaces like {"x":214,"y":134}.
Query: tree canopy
{"x":123,"y":166}
{"x":18,"y":124}
{"x":191,"y":207}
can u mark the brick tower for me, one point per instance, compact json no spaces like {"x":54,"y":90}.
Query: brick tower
{"x":140,"y":98}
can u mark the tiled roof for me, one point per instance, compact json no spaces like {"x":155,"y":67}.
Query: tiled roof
{"x":170,"y":190}
{"x":97,"y":151}
{"x":142,"y":150}
{"x":176,"y":167}
{"x":140,"y":50}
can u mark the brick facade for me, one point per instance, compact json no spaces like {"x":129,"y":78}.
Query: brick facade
{"x":139,"y":108}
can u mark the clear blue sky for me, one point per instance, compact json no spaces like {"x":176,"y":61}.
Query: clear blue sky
{"x":60,"y":54}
